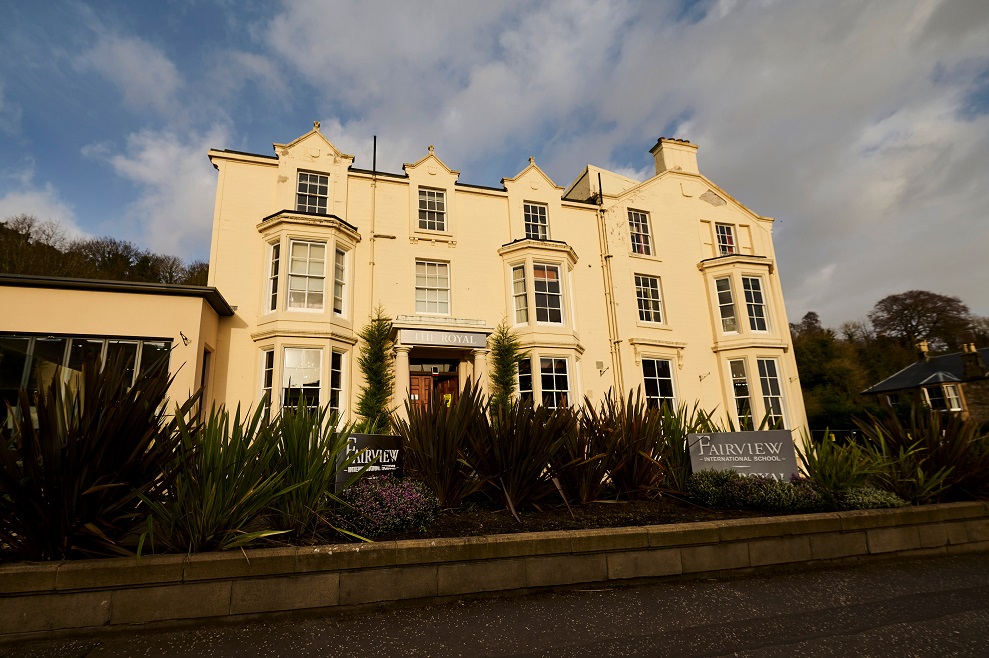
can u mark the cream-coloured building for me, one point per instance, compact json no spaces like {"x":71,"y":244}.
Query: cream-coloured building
{"x":668,"y":284}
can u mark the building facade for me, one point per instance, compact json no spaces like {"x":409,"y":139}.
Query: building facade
{"x":956,"y":383}
{"x":669,"y":285}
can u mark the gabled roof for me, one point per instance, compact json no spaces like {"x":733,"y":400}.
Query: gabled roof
{"x":311,"y":133}
{"x":430,"y":155}
{"x":946,"y":368}
{"x":532,"y":166}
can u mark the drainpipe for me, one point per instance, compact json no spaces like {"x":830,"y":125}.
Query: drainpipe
{"x":611,"y":311}
{"x":374,"y":196}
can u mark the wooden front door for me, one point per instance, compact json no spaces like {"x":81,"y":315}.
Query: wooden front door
{"x":447,"y":390}
{"x":420,"y":389}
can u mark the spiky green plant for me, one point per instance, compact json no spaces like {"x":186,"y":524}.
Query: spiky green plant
{"x":515,"y":451}
{"x":587,"y":456}
{"x":435,"y":439}
{"x":311,"y":450}
{"x":374,"y":402}
{"x":225,"y":482}
{"x":673,"y":452}
{"x":933,"y":457}
{"x":71,"y":485}
{"x":833,"y":467}
{"x":637,"y":471}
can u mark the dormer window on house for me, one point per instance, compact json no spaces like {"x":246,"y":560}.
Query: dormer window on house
{"x":638,"y":226}
{"x":726,"y":239}
{"x":536,"y":221}
{"x":432,"y":209}
{"x":313,"y":192}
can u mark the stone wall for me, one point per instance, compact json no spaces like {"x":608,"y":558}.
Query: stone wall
{"x":63,"y":599}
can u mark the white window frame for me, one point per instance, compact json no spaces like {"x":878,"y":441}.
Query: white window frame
{"x":640,"y":235}
{"x":536,"y":217}
{"x":656,"y":380}
{"x":520,"y":294}
{"x":554,"y":392}
{"x":312,"y":193}
{"x":725,"y":236}
{"x":726,"y":305}
{"x":432,"y":209}
{"x":742,"y":393}
{"x":524,"y":379}
{"x":546,"y":284}
{"x":267,"y":377}
{"x":286,"y":378}
{"x":649,"y":299}
{"x":755,"y":303}
{"x":952,"y":397}
{"x":772,"y":391}
{"x":422,"y":285}
{"x":336,"y":388}
{"x":274,"y":263}
{"x":340,"y":258}
{"x":315,"y":282}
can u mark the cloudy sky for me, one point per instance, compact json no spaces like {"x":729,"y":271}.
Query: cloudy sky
{"x":863,"y":127}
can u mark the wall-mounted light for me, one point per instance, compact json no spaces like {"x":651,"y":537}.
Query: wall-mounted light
{"x":702,"y":377}
{"x":185,"y":339}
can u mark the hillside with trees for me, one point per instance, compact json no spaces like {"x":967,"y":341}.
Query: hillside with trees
{"x":837,"y":365}
{"x":31,"y":246}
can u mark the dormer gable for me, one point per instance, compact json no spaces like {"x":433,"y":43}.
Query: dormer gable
{"x":533,"y":202}
{"x":312,"y":175}
{"x":432,"y":198}
{"x":312,"y":146}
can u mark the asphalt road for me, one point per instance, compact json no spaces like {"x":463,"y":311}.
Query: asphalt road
{"x":921,"y":607}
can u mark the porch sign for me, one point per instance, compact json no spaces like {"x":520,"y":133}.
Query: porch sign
{"x":384,"y":450}
{"x":769,"y":454}
{"x":444,"y":338}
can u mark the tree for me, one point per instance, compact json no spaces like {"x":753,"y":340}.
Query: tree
{"x":918,"y":315}
{"x":505,"y":354}
{"x":197,"y":274}
{"x":374,"y":403}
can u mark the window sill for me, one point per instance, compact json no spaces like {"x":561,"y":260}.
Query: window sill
{"x":648,"y":257}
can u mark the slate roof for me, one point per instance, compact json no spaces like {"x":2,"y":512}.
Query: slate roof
{"x":937,"y":369}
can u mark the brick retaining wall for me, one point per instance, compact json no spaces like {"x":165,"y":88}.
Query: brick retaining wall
{"x":62,"y":599}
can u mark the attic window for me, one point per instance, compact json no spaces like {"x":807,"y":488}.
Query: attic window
{"x":312,"y":193}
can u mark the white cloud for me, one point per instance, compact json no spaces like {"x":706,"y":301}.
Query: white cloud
{"x":145,"y":76}
{"x":177,"y":187}
{"x":43,"y":202}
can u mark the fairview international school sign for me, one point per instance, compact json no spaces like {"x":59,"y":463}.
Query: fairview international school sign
{"x":769,"y":454}
{"x":382,"y":452}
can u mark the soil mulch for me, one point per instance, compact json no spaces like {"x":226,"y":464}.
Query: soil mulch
{"x":473,"y":519}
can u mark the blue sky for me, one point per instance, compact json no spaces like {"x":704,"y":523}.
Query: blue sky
{"x":862,"y":127}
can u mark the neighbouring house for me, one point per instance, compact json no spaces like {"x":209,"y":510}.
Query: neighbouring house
{"x":957,"y":382}
{"x":667,"y":285}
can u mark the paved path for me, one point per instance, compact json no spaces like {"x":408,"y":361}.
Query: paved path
{"x":922,"y":607}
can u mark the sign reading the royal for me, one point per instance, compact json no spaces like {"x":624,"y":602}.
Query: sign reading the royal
{"x":383,"y":452}
{"x":768,"y":454}
{"x":444,"y":338}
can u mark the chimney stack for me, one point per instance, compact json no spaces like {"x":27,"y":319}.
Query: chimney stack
{"x":975,"y":367}
{"x":922,"y":351}
{"x":675,"y":155}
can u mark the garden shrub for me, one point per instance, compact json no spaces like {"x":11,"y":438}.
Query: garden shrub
{"x":435,"y":439}
{"x":932,"y":458}
{"x":868,"y":498}
{"x":730,"y":490}
{"x":71,"y":486}
{"x":383,"y":504}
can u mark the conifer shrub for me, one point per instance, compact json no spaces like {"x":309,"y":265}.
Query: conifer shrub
{"x":374,"y":401}
{"x":506,"y":351}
